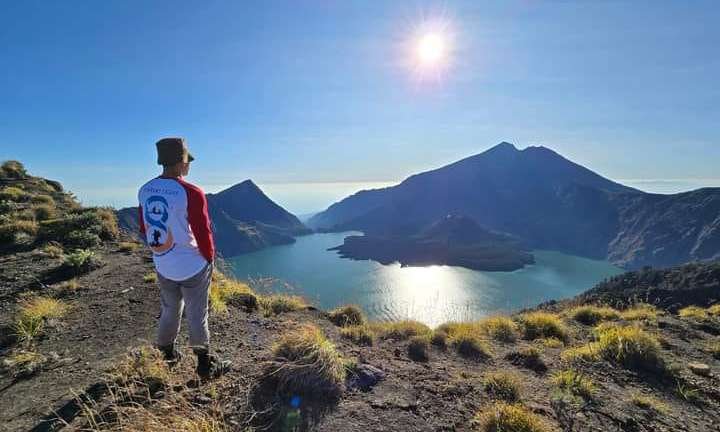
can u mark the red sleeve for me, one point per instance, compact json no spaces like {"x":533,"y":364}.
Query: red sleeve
{"x":141,"y":221}
{"x":199,"y":220}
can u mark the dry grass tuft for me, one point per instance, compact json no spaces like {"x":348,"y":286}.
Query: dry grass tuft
{"x":714,"y":310}
{"x":504,"y":417}
{"x":419,"y":347}
{"x":128,"y":246}
{"x":648,"y":402}
{"x":500,"y":328}
{"x":591,"y":315}
{"x":529,"y":358}
{"x":399,"y":330}
{"x":640,"y":312}
{"x":224,"y":291}
{"x":694,"y":312}
{"x":349,"y":315}
{"x":439,"y":339}
{"x":306,"y":363}
{"x":503,"y":385}
{"x":275,"y":304}
{"x":53,"y":250}
{"x":538,"y":325}
{"x":470,"y":346}
{"x":22,"y":363}
{"x":628,"y":346}
{"x":574,"y":383}
{"x":144,"y":365}
{"x":360,"y":334}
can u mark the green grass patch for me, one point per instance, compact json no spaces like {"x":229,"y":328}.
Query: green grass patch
{"x":574,"y":383}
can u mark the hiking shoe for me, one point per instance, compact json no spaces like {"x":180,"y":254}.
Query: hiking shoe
{"x":210,"y":366}
{"x":171,"y":355}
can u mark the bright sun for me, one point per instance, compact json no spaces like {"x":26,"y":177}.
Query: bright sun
{"x":431,"y":49}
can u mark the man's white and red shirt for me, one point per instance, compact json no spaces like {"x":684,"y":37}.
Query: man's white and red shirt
{"x":175,"y":222}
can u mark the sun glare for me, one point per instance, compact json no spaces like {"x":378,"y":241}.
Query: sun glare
{"x":431,"y":49}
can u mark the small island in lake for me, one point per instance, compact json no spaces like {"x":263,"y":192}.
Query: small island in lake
{"x":453,"y":240}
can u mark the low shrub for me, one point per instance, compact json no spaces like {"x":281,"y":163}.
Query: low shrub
{"x":574,"y":383}
{"x":43,"y":199}
{"x":360,"y":334}
{"x":79,"y":261}
{"x":13,"y":169}
{"x":399,"y":330}
{"x":81,"y":240}
{"x":43,"y":212}
{"x":10,"y":232}
{"x":504,"y":417}
{"x":503,"y":385}
{"x":419,"y":347}
{"x":280,"y":303}
{"x":349,"y":315}
{"x":85,"y":228}
{"x":591,"y":315}
{"x":306,"y":363}
{"x":14,"y":194}
{"x":537,"y":325}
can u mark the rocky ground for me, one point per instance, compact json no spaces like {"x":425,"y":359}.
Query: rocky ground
{"x":114,"y":310}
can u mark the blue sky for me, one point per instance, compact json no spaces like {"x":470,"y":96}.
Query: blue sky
{"x":320,"y":91}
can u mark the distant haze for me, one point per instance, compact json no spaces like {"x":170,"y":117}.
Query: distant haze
{"x":302,"y":198}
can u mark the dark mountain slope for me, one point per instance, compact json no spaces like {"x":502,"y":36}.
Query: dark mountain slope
{"x":244,"y":220}
{"x":541,"y":197}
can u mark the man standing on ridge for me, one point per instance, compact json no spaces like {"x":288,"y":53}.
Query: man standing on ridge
{"x":175,"y":223}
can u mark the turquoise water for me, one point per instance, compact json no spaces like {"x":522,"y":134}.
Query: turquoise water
{"x":432,"y":294}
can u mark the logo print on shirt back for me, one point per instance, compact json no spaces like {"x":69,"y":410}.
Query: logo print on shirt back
{"x":159,"y":235}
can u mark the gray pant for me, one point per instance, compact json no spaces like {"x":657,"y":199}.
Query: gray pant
{"x":191,"y":294}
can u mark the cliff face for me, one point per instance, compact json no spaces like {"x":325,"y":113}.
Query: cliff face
{"x":545,"y":200}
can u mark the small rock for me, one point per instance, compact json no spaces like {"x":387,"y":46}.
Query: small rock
{"x":699,"y":369}
{"x":203,"y":400}
{"x":364,"y":377}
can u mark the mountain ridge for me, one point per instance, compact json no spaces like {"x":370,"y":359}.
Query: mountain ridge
{"x":244,"y":219}
{"x":543,"y":198}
